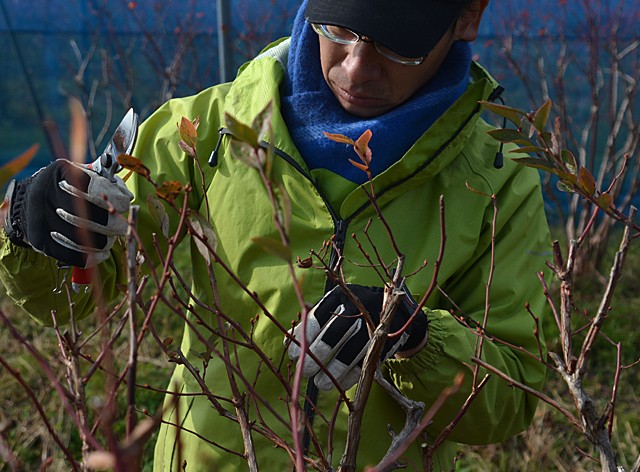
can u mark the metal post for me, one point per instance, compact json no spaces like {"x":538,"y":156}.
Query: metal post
{"x":224,"y":53}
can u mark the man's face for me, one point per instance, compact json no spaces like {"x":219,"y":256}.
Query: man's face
{"x":368,"y":84}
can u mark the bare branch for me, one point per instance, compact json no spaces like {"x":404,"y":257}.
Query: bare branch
{"x":605,"y":303}
{"x":531,"y":391}
{"x":414,"y":425}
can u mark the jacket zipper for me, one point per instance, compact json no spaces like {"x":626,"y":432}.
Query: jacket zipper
{"x":339,"y":238}
{"x":340,"y":226}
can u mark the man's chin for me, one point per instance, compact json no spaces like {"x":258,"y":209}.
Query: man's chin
{"x":363,"y":111}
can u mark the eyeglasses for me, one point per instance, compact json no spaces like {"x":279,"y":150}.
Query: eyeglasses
{"x":341,"y":35}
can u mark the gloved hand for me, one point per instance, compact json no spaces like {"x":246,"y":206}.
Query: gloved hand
{"x":63,"y":211}
{"x":337,"y":334}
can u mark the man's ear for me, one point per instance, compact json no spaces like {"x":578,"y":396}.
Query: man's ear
{"x":469,"y":20}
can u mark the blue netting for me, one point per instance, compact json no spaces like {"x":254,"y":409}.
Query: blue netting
{"x":115,"y":53}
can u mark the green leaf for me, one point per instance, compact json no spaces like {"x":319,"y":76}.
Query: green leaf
{"x":573,"y":170}
{"x":541,"y":116}
{"x":158,"y":214}
{"x":11,"y":168}
{"x":551,"y":142}
{"x":528,"y":150}
{"x":245,"y":153}
{"x":508,"y":135}
{"x":569,"y":159}
{"x":568,"y":178}
{"x":241,"y":132}
{"x":202,"y":227}
{"x":284,"y":206}
{"x":587,"y":182}
{"x":604,"y":201}
{"x":266,"y":157}
{"x":512,"y":114}
{"x":205,"y":355}
{"x":262,"y":123}
{"x":274,"y":247}
{"x":565,"y":187}
{"x":547,"y":140}
{"x":535,"y":163}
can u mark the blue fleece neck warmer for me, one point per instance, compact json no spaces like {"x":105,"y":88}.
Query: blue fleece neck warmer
{"x":309,"y":108}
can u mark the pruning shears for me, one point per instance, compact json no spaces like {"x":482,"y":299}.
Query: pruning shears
{"x":121,"y":142}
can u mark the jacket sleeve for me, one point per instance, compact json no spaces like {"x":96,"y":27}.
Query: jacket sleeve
{"x":521,"y":244}
{"x":30,"y":277}
{"x":158,"y":149}
{"x":35,"y":283}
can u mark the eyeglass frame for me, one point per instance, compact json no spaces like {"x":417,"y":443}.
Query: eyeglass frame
{"x":321,"y":30}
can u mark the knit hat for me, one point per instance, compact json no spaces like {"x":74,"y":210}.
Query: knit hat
{"x":410,"y":28}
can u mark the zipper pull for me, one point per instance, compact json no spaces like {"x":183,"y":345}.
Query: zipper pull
{"x":339,"y":237}
{"x":213,"y":158}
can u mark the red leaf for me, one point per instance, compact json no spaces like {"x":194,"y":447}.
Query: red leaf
{"x":188,"y":132}
{"x":604,"y":201}
{"x":134,"y":164}
{"x":16,"y":165}
{"x":363,"y":145}
{"x":169,"y":190}
{"x":362,"y":167}
{"x":339,"y":138}
{"x":587,"y":181}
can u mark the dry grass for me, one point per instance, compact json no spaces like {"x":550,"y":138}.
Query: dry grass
{"x":26,"y":435}
{"x":551,"y":444}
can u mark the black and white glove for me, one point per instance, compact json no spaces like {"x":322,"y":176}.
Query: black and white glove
{"x":337,"y":334}
{"x":63,"y":211}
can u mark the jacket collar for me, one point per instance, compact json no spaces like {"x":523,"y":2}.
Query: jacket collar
{"x":258,"y":83}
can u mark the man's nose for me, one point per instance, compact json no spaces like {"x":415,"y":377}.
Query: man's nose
{"x":363,"y":62}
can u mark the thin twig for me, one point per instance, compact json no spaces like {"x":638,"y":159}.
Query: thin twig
{"x":132,"y":250}
{"x":573,"y":420}
{"x":605,"y":303}
{"x":476,"y":389}
{"x":616,"y":384}
{"x":412,"y":431}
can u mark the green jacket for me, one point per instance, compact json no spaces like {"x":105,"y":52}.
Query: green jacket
{"x":454,"y":155}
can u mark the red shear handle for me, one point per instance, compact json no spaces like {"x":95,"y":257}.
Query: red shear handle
{"x":82,"y":276}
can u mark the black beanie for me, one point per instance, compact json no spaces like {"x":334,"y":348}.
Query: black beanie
{"x":410,"y":28}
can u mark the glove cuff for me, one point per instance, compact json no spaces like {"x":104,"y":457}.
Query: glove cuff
{"x":418,"y":333}
{"x":13,"y":221}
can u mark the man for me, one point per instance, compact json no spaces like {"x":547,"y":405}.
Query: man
{"x":404,"y":72}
